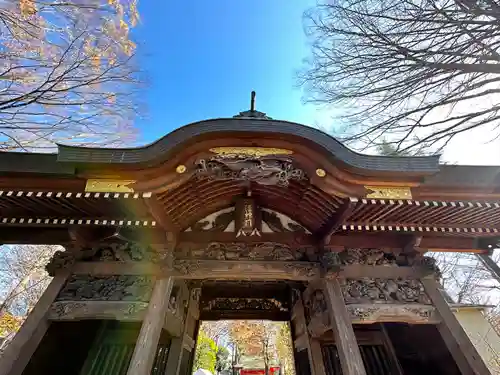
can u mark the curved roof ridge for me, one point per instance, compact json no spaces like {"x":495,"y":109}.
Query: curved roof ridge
{"x":336,"y":149}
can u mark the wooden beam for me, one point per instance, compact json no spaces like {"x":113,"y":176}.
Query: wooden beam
{"x":116,"y":268}
{"x":285,"y":237}
{"x":490,"y":264}
{"x":245,"y":315}
{"x":157,"y":211}
{"x":461,"y":348}
{"x":34,"y":236}
{"x":25,"y":342}
{"x":238,"y":269}
{"x":336,"y":220}
{"x":149,"y":335}
{"x":395,"y":241}
{"x":130,"y":311}
{"x":356,"y":271}
{"x":247,"y":269}
{"x":347,"y":346}
{"x":177,"y":345}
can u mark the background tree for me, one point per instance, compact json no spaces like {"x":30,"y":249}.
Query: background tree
{"x":222,"y":360}
{"x":205,"y":353}
{"x":284,"y":349}
{"x":217,"y":330}
{"x":255,"y":338}
{"x":23,"y":280}
{"x":66,"y":73}
{"x":418,"y":72}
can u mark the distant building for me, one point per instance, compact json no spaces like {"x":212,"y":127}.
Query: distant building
{"x":481,"y":333}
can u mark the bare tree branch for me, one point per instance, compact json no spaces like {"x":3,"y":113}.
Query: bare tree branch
{"x":67,"y":73}
{"x":413,"y":73}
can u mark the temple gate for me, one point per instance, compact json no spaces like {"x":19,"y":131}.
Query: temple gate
{"x":244,"y":218}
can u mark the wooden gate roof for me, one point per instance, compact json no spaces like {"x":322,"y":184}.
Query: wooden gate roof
{"x":328,"y":188}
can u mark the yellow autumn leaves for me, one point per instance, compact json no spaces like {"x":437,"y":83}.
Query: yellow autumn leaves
{"x":27,"y":7}
{"x":9,"y":324}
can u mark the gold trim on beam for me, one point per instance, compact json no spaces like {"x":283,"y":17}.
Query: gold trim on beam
{"x":255,"y":152}
{"x":109,"y":186}
{"x":418,"y":228}
{"x":69,"y":194}
{"x":388,"y":192}
{"x":75,"y":221}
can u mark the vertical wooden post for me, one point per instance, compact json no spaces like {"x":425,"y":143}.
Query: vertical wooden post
{"x":347,"y":345}
{"x":147,"y":342}
{"x":461,"y":348}
{"x":317,"y":356}
{"x":301,"y":321}
{"x":174,"y":355}
{"x":23,"y":345}
{"x":395,"y":366}
{"x":177,"y":346}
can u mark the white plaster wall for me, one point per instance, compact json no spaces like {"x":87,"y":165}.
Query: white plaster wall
{"x":482,"y":335}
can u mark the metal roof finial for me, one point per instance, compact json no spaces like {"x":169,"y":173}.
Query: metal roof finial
{"x":252,"y":113}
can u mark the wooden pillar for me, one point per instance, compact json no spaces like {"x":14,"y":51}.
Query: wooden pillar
{"x":23,"y":345}
{"x":461,"y":348}
{"x":177,"y":346}
{"x":315,"y":359}
{"x":174,"y":355}
{"x":347,"y":345}
{"x":317,"y":356}
{"x":147,"y":342}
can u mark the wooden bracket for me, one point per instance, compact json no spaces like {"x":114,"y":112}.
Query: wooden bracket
{"x":336,"y":220}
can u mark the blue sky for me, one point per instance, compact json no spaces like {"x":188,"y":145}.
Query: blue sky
{"x":203,"y":59}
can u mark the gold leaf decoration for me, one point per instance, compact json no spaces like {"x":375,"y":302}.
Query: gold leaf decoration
{"x":387,"y":192}
{"x":109,"y":186}
{"x":255,"y":152}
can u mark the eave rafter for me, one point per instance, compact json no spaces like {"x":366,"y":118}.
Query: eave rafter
{"x":459,"y":218}
{"x":160,"y":215}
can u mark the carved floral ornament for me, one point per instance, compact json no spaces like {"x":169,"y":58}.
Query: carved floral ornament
{"x":72,"y":310}
{"x":298,"y":262}
{"x":335,"y":261}
{"x":259,"y":304}
{"x":239,"y":251}
{"x":384,"y":291}
{"x":60,"y":260}
{"x":265,"y":166}
{"x":372,"y":300}
{"x":117,"y":251}
{"x":122,"y":295}
{"x":106,"y":288}
{"x":393,"y":313}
